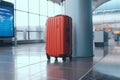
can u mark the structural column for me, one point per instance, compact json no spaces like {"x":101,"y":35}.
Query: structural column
{"x":81,"y":13}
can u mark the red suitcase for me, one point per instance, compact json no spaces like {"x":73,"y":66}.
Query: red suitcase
{"x":59,"y":37}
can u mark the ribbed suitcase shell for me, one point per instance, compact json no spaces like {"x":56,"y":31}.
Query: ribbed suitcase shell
{"x":59,"y":36}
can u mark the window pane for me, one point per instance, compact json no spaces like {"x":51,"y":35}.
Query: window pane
{"x":50,"y":8}
{"x":63,"y":8}
{"x":43,"y":21}
{"x":43,"y":7}
{"x":22,"y":5}
{"x":21,"y":20}
{"x":43,"y":35}
{"x":43,"y":27}
{"x":20,"y":36}
{"x":34,"y":6}
{"x":34,"y":35}
{"x":34,"y":22}
{"x":58,"y":9}
{"x":26,"y":35}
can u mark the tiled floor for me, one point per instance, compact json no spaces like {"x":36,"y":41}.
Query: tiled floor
{"x":28,"y":62}
{"x":108,"y":68}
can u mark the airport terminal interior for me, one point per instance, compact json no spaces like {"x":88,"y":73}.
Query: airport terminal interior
{"x":59,"y":40}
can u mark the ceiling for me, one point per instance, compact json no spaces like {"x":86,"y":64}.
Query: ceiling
{"x":97,"y":3}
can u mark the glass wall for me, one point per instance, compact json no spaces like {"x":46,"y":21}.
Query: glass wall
{"x":30,"y":17}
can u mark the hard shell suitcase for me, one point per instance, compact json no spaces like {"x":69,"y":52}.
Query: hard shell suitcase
{"x":59,"y":37}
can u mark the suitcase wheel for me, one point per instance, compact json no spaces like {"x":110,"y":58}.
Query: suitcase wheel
{"x":64,"y":58}
{"x":48,"y":57}
{"x":56,"y":59}
{"x":70,"y":57}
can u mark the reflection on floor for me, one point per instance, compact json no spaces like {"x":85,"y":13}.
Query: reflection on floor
{"x":28,"y":62}
{"x":94,"y":75}
{"x":108,"y":68}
